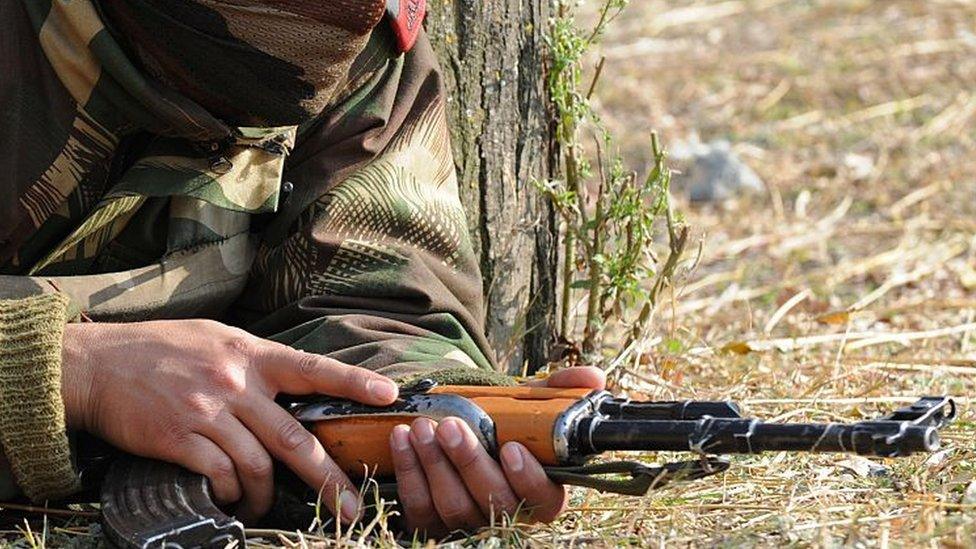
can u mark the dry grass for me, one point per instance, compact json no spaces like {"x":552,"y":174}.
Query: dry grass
{"x":843,"y":291}
{"x":840,"y":292}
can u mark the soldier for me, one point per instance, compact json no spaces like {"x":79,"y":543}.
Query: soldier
{"x":208,"y":202}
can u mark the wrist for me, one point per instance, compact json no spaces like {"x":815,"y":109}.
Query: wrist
{"x":77,"y":376}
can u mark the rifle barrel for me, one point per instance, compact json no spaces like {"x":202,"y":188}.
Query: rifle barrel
{"x":751,"y":436}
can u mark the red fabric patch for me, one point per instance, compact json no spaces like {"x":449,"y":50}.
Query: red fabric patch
{"x":407,"y":18}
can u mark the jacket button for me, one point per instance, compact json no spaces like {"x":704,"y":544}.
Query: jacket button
{"x":221,"y":165}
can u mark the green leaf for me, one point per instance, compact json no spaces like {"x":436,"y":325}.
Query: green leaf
{"x":673,"y":346}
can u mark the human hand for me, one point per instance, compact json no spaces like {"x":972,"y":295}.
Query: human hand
{"x":446,"y":480}
{"x":201,"y":394}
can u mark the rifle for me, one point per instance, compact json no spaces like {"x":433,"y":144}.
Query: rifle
{"x":150,"y":504}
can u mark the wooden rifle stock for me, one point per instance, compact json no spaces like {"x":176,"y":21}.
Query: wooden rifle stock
{"x":359,"y":440}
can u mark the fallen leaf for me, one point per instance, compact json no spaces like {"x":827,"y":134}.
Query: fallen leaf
{"x":737,"y":348}
{"x":669,"y":370}
{"x":835,"y":318}
{"x":822,"y":170}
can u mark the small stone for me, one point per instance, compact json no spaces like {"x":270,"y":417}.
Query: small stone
{"x":863,"y":467}
{"x":859,"y":167}
{"x":969,"y":498}
{"x":712,"y":172}
{"x":937,"y":459}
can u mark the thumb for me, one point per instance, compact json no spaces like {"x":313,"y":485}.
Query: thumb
{"x":586,"y":377}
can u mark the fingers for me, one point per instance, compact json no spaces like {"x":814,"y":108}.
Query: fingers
{"x":298,"y":372}
{"x":288,"y":441}
{"x":588,"y":377}
{"x":412,"y":490}
{"x":200,"y":455}
{"x":454,"y":505}
{"x":252,"y":463}
{"x":482,"y":476}
{"x":544,"y":499}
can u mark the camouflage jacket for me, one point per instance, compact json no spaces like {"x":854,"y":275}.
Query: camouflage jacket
{"x":344,"y":236}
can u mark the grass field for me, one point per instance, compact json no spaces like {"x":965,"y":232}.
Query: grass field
{"x":845,"y":289}
{"x":848,"y":288}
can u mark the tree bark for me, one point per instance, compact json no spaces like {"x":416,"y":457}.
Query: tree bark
{"x":492,"y":55}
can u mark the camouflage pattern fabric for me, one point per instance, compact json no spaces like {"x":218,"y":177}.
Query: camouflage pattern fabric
{"x":131,"y":190}
{"x":250,"y":62}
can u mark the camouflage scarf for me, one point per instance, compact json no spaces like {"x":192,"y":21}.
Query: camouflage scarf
{"x":249,"y":62}
{"x":133,"y":142}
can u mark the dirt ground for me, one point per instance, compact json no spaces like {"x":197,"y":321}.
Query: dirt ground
{"x":844,"y":289}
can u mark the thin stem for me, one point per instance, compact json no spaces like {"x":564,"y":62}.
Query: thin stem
{"x":605,"y":19}
{"x":596,"y":77}
{"x":569,"y":244}
{"x":595,"y":266}
{"x":569,"y":258}
{"x":677,"y":241}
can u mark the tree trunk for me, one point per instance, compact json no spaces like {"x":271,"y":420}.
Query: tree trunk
{"x":491,"y":52}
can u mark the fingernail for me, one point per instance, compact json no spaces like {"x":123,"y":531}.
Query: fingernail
{"x":349,"y":506}
{"x":512,"y":455}
{"x":423,"y":430}
{"x":401,"y":438}
{"x":383,"y":389}
{"x":449,"y":433}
